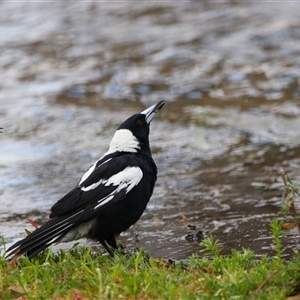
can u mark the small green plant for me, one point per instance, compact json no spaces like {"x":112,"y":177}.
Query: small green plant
{"x":277,"y":233}
{"x":211,"y":247}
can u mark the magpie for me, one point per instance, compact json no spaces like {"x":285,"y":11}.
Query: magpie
{"x":110,"y":197}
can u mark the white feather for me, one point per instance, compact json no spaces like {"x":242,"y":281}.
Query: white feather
{"x":93,"y":186}
{"x":104,"y":200}
{"x":91,"y":170}
{"x":126,"y":179}
{"x":130,"y":176}
{"x":123,"y":141}
{"x":88,"y":173}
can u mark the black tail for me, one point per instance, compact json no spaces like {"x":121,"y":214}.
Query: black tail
{"x":41,"y":238}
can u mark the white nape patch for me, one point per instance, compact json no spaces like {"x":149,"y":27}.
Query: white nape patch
{"x":78,"y":232}
{"x":123,"y":141}
{"x":91,"y":170}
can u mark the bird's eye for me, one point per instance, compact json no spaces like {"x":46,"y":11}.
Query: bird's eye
{"x":139,"y":122}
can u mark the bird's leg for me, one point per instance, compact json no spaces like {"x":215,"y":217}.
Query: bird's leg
{"x":104,"y":244}
{"x":112,"y":242}
{"x":136,"y":239}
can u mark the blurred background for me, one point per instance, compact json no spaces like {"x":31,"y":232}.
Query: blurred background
{"x":71,"y":72}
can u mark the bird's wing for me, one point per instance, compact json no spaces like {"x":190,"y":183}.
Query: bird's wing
{"x":107,"y":184}
{"x":106,"y":179}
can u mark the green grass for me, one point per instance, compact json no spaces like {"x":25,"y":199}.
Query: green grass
{"x":83,"y":275}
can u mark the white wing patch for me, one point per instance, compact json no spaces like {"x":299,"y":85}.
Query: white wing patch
{"x":126,"y":179}
{"x":130,"y":176}
{"x":93,"y":186}
{"x":91,"y":170}
{"x":88,"y":173}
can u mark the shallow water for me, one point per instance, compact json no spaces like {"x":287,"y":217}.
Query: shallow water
{"x":230,"y":76}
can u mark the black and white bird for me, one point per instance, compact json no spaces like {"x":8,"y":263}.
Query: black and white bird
{"x":110,"y":197}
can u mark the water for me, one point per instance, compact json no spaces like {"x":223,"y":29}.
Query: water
{"x":229,"y":72}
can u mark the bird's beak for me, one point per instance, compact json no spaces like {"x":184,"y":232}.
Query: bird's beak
{"x":152,"y":111}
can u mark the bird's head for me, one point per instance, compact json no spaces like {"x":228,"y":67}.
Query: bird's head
{"x":133,"y":134}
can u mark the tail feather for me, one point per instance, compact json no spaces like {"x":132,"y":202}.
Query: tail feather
{"x":39,"y":239}
{"x":44,"y":236}
{"x":35,"y":251}
{"x":31,"y":252}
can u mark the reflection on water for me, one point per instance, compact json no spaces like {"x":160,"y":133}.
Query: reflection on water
{"x":229,"y":73}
